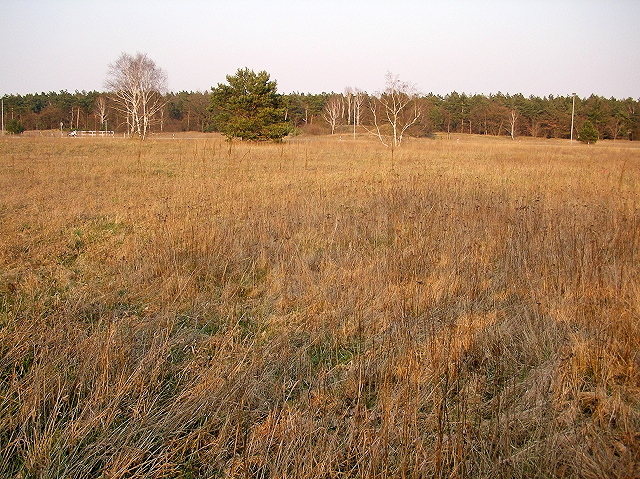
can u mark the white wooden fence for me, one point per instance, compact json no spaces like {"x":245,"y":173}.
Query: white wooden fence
{"x":90,"y":133}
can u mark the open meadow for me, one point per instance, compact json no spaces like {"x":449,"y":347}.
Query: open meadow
{"x":314,"y":309}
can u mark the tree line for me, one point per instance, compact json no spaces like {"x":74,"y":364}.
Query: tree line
{"x":343,"y":113}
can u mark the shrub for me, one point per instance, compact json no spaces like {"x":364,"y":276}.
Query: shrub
{"x":14,"y":127}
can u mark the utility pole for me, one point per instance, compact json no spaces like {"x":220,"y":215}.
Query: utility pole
{"x":573,"y":111}
{"x":2,"y":114}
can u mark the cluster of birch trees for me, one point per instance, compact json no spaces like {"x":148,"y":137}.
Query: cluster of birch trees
{"x":137,"y":86}
{"x":404,"y":111}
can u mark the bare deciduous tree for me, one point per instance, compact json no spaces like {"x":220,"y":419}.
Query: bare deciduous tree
{"x":354,"y":98}
{"x":358,"y":100}
{"x":615,"y":126}
{"x":348,"y":97}
{"x":333,"y":111}
{"x":512,"y":121}
{"x":101,"y":110}
{"x":137,"y":85}
{"x":394,"y":111}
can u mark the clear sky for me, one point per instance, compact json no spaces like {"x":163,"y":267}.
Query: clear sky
{"x":537,"y":47}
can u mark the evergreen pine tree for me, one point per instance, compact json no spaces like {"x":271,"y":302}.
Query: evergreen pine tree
{"x":588,"y":133}
{"x":249,"y":107}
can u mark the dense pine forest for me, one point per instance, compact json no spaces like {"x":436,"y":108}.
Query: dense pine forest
{"x":495,"y":114}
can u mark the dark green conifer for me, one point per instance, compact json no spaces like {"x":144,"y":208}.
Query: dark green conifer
{"x":249,"y":107}
{"x":588,"y":133}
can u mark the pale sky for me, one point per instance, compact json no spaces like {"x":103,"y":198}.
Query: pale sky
{"x":537,"y":47}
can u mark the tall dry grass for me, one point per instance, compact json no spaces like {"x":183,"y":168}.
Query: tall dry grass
{"x":191,"y":308}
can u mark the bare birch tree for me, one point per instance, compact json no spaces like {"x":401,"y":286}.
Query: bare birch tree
{"x":101,"y":111}
{"x":333,"y":111}
{"x":394,"y":110}
{"x":348,"y":97}
{"x":358,"y":100}
{"x":512,"y":122}
{"x":137,"y":86}
{"x":353,"y":98}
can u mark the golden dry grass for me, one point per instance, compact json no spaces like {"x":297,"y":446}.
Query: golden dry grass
{"x":188,"y":308}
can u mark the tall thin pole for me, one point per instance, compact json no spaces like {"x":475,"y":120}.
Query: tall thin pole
{"x":3,"y":114}
{"x":573,"y":111}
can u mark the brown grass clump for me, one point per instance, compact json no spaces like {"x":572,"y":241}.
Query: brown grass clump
{"x":192,"y":308}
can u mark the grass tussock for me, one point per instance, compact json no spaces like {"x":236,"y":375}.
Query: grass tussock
{"x":194,"y":308}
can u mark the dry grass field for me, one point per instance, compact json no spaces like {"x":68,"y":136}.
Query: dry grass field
{"x":189,"y":308}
